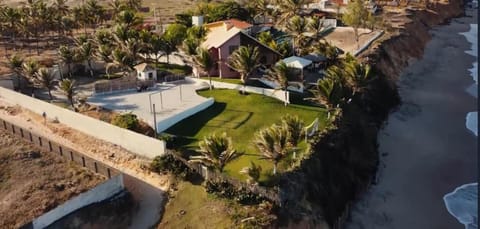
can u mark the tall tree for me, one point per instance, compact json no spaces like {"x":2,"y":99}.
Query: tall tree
{"x":216,"y":152}
{"x":357,"y":16}
{"x":61,"y":10}
{"x":204,"y":60}
{"x":68,"y":88}
{"x":15,"y":64}
{"x":296,"y":26}
{"x":12,"y":17}
{"x":29,"y":69}
{"x":67,"y":55}
{"x":272,"y":142}
{"x":85,"y":52}
{"x":173,"y":36}
{"x":245,"y":60}
{"x":282,"y":75}
{"x":294,"y":127}
{"x":46,"y":79}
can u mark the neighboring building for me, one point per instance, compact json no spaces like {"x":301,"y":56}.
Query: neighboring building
{"x":222,"y":40}
{"x":146,"y":72}
{"x":229,"y":24}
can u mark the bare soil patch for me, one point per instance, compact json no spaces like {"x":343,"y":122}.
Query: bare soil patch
{"x":33,"y":182}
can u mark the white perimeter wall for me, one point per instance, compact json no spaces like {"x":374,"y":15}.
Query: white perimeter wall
{"x":172,"y":120}
{"x":95,"y":195}
{"x":277,"y":94}
{"x":136,"y":143}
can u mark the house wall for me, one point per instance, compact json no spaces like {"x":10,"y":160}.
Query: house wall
{"x":271,"y":57}
{"x":223,"y":54}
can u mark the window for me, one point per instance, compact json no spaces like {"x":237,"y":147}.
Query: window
{"x":232,"y":49}
{"x":150,"y":75}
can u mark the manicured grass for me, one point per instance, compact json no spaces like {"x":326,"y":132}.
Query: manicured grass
{"x":175,"y":68}
{"x":199,"y":209}
{"x":240,"y":116}
{"x":250,"y":82}
{"x":234,"y":81}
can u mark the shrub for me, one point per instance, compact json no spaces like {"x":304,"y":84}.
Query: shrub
{"x":168,"y":163}
{"x":225,"y":189}
{"x":127,"y":121}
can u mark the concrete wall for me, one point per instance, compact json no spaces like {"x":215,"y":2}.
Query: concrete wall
{"x":172,"y":120}
{"x":7,"y":83}
{"x":136,"y":143}
{"x":277,"y":94}
{"x":102,"y":192}
{"x":369,"y":42}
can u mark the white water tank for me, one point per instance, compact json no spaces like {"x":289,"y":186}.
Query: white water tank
{"x":197,"y":20}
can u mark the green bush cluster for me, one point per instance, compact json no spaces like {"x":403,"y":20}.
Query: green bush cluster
{"x":225,"y":189}
{"x":168,"y":163}
{"x":127,"y":121}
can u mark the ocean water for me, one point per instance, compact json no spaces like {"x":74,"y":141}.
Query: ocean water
{"x":462,"y":202}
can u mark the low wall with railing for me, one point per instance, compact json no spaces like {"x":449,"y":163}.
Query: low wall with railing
{"x":277,"y":94}
{"x":100,"y":193}
{"x":136,"y":143}
{"x":172,"y":120}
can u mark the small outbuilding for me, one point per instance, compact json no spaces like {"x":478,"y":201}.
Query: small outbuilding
{"x":298,"y":63}
{"x":145,"y":72}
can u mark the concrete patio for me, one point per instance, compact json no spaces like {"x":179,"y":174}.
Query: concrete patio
{"x":173,"y":102}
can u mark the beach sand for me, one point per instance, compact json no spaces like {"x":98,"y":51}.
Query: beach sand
{"x":426,"y":150}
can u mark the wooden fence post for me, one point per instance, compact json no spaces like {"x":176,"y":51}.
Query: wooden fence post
{"x":21,"y":132}
{"x":50,"y":146}
{"x":108,"y":172}
{"x":96,"y":167}
{"x":83,"y":161}
{"x":71,"y":155}
{"x":40,"y":140}
{"x":4,"y":125}
{"x":30,"y":135}
{"x":61,"y":150}
{"x":13,"y":129}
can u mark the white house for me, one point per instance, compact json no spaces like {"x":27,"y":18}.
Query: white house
{"x":146,"y":72}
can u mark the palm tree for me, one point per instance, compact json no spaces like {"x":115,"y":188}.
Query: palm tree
{"x":121,"y":59}
{"x":29,"y":70}
{"x":261,"y":8}
{"x":282,"y":74}
{"x":288,"y":9}
{"x":328,"y":92}
{"x":67,"y":55}
{"x":204,"y":60}
{"x":96,"y":13}
{"x":296,"y":26}
{"x":359,"y":74}
{"x":244,"y":60}
{"x":15,"y":64}
{"x":85,"y":52}
{"x":11,"y":17}
{"x":61,"y":10}
{"x":68,"y":88}
{"x":272,"y":143}
{"x":128,"y":18}
{"x":46,"y":79}
{"x":253,"y":172}
{"x":217,"y":152}
{"x":294,"y":127}
{"x":315,"y":25}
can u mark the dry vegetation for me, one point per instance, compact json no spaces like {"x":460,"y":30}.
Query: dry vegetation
{"x":33,"y":182}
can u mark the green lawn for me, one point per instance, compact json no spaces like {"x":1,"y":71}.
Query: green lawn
{"x":250,"y":82}
{"x":240,"y":116}
{"x":175,"y":68}
{"x":199,"y":209}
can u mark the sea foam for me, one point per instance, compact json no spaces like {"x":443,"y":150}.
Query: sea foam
{"x":462,"y":203}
